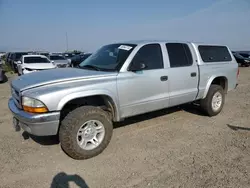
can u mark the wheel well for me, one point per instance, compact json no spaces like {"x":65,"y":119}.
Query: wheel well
{"x":103,"y":101}
{"x":221,"y":81}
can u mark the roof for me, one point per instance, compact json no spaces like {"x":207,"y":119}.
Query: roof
{"x":141,"y":42}
{"x":34,"y":55}
{"x":151,"y":41}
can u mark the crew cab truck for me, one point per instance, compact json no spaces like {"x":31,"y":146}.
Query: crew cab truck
{"x":120,"y":80}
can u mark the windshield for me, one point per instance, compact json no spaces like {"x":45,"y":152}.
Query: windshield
{"x":36,"y":60}
{"x":56,"y":57}
{"x":19,"y":55}
{"x":109,"y":58}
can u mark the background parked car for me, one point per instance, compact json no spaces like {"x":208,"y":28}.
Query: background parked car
{"x":33,"y":63}
{"x":14,"y":58}
{"x":245,"y":54}
{"x":8,"y":56}
{"x":2,"y":74}
{"x":242,"y":61}
{"x":68,"y":55}
{"x":42,"y":53}
{"x":59,"y":61}
{"x":76,"y":60}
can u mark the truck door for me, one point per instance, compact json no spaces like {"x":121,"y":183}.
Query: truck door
{"x":183,"y":74}
{"x":146,"y":90}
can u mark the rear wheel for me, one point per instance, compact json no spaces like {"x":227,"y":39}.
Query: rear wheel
{"x":85,"y":132}
{"x":214,"y":101}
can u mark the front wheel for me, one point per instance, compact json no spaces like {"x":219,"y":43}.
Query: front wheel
{"x":85,"y":132}
{"x":214,"y":101}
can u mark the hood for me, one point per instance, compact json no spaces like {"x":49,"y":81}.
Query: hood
{"x":39,"y":66}
{"x":46,"y":77}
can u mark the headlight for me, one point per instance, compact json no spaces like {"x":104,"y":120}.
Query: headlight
{"x":33,"y":105}
{"x":247,"y":61}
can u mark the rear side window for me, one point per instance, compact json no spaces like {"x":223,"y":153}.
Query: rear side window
{"x":210,"y":54}
{"x":179,"y":55}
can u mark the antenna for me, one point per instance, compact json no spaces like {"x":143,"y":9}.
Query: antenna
{"x":66,"y":41}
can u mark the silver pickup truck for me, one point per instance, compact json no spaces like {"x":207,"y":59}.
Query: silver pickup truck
{"x":120,"y":80}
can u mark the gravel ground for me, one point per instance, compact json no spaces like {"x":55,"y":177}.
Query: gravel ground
{"x":178,"y":147}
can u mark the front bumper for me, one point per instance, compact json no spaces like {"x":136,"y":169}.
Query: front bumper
{"x":36,"y":124}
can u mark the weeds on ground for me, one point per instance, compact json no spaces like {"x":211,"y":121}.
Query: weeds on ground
{"x":7,"y":68}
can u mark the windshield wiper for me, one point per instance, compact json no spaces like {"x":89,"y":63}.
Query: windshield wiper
{"x":91,"y":67}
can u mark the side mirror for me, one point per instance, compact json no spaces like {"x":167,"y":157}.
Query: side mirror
{"x":137,"y":67}
{"x":52,"y":61}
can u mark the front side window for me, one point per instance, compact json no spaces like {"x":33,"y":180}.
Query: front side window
{"x":36,"y":60}
{"x":150,"y":55}
{"x":179,"y":55}
{"x":108,"y":58}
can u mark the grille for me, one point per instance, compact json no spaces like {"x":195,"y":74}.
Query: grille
{"x":16,"y":97}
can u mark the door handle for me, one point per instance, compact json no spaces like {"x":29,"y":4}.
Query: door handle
{"x":193,"y":74}
{"x":164,"y":78}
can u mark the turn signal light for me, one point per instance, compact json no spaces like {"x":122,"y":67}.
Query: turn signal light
{"x":35,"y":109}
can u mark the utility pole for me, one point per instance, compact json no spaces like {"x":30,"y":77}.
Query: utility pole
{"x":66,"y":41}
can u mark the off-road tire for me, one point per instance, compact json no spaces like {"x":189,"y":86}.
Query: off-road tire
{"x":206,"y":103}
{"x":71,"y":124}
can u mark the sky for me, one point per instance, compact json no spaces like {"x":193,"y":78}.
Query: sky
{"x":89,"y":24}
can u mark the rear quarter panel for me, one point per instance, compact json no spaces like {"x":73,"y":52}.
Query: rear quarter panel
{"x":209,"y":71}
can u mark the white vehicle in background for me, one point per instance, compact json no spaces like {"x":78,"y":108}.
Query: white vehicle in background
{"x":60,"y":61}
{"x":33,"y":63}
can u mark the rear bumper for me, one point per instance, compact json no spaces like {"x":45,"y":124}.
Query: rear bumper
{"x":36,"y":124}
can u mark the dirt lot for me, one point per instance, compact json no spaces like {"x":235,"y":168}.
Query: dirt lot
{"x":172,"y":148}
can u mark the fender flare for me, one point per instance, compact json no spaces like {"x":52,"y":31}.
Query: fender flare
{"x":90,"y":93}
{"x":209,"y":82}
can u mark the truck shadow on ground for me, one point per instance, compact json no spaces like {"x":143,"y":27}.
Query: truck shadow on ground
{"x":43,"y":140}
{"x":64,"y":180}
{"x":236,"y":128}
{"x":190,"y":108}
